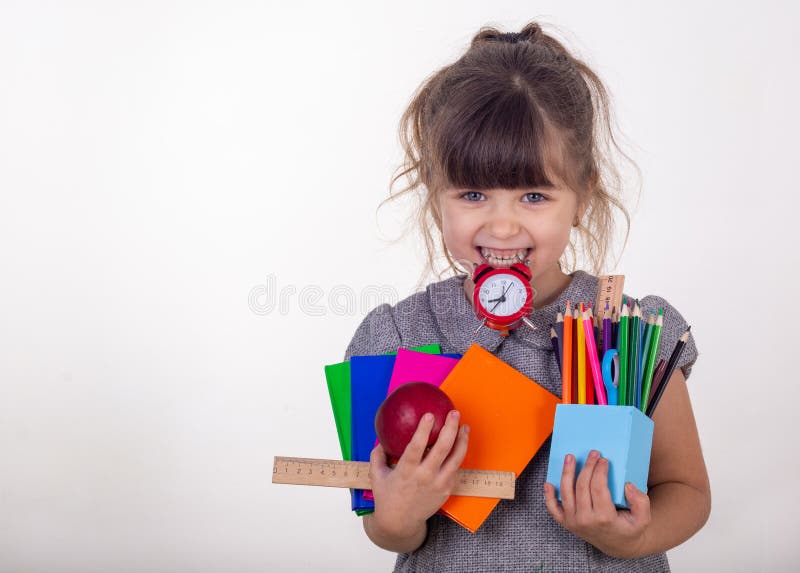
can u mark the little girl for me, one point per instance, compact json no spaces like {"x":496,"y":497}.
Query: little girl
{"x":507,"y":147}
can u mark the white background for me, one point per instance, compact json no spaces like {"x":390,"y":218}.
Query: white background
{"x":160,"y":160}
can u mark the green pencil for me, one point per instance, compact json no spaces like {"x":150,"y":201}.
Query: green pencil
{"x":652,"y":357}
{"x":648,"y":333}
{"x":634,"y":388}
{"x":622,"y":390}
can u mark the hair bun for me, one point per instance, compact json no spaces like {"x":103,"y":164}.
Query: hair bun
{"x":528,"y":34}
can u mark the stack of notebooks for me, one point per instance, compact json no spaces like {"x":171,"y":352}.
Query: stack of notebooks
{"x":510,"y":416}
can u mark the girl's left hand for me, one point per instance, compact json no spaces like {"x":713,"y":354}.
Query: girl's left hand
{"x":586,"y":508}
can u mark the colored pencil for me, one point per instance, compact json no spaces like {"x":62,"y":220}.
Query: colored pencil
{"x":652,"y":354}
{"x":554,"y":343}
{"x":673,"y":362}
{"x":589,"y":378}
{"x":648,"y":333}
{"x":614,"y":328}
{"x":607,"y":330}
{"x":657,"y":375}
{"x":622,"y":396}
{"x":581,"y":359}
{"x":575,"y":329}
{"x":566,"y":369}
{"x":595,"y":329}
{"x":635,"y":356}
{"x":560,"y":334}
{"x":594,"y":361}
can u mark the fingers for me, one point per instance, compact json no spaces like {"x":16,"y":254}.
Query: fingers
{"x":377,"y":457}
{"x":419,"y":441}
{"x":568,"y":485}
{"x":459,"y":451}
{"x":551,"y":502}
{"x":583,"y":495}
{"x":601,"y":495}
{"x":378,"y":465}
{"x":638,"y":503}
{"x":444,"y":443}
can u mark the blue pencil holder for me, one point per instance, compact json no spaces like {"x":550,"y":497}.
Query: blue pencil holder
{"x":622,"y":434}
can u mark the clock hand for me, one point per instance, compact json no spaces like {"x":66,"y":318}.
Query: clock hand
{"x":501,"y":299}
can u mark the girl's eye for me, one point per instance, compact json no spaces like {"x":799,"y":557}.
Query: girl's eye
{"x":534,"y":197}
{"x":472,"y":196}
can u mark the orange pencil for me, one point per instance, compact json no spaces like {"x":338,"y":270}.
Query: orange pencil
{"x":566,"y":358}
{"x":581,"y":358}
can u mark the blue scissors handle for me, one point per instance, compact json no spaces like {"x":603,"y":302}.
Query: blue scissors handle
{"x":610,"y":370}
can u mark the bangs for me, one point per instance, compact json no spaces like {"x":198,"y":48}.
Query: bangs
{"x":497,"y":141}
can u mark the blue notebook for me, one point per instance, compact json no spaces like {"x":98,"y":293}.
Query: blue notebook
{"x":369,"y":382}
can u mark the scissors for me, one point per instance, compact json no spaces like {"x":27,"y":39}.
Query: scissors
{"x":610,"y":368}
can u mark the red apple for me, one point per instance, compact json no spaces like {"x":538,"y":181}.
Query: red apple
{"x":398,"y":416}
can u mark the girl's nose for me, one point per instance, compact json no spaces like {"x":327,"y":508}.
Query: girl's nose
{"x":503,"y":224}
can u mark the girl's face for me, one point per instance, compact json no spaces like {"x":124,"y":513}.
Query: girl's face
{"x":504,"y":226}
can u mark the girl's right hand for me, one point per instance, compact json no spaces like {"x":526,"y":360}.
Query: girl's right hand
{"x":408,"y":494}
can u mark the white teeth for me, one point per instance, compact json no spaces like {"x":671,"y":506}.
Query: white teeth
{"x":489,"y":255}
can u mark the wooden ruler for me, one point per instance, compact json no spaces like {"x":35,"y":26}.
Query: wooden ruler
{"x":339,"y":473}
{"x":609,"y":289}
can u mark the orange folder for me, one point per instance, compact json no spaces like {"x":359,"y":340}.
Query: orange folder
{"x":509,"y":415}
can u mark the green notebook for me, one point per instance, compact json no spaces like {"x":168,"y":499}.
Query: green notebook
{"x":338,"y":378}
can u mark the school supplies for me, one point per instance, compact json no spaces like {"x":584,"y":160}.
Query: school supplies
{"x":509,"y":420}
{"x":624,"y":400}
{"x":621,"y":434}
{"x":566,"y":358}
{"x":609,"y":291}
{"x":610,"y":373}
{"x":415,"y":366}
{"x":649,"y":323}
{"x":339,"y":388}
{"x":657,"y":376}
{"x":581,"y":356}
{"x":560,"y":337}
{"x":607,"y":330}
{"x":342,"y":473}
{"x":369,"y":383}
{"x":629,"y":375}
{"x":652,"y":356}
{"x":635,"y":356}
{"x":673,"y":362}
{"x":554,"y":343}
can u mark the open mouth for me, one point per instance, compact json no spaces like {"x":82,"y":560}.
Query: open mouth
{"x":503,"y":257}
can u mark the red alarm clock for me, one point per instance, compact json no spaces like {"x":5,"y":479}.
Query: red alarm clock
{"x":503,"y":297}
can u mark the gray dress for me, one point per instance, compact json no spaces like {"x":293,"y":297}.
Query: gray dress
{"x":520,"y":534}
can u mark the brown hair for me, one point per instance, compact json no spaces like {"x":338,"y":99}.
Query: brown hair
{"x":516,"y":110}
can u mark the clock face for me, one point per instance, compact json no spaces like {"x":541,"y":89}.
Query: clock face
{"x":502,"y":294}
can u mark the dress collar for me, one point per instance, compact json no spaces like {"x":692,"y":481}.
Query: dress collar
{"x":457,"y":321}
